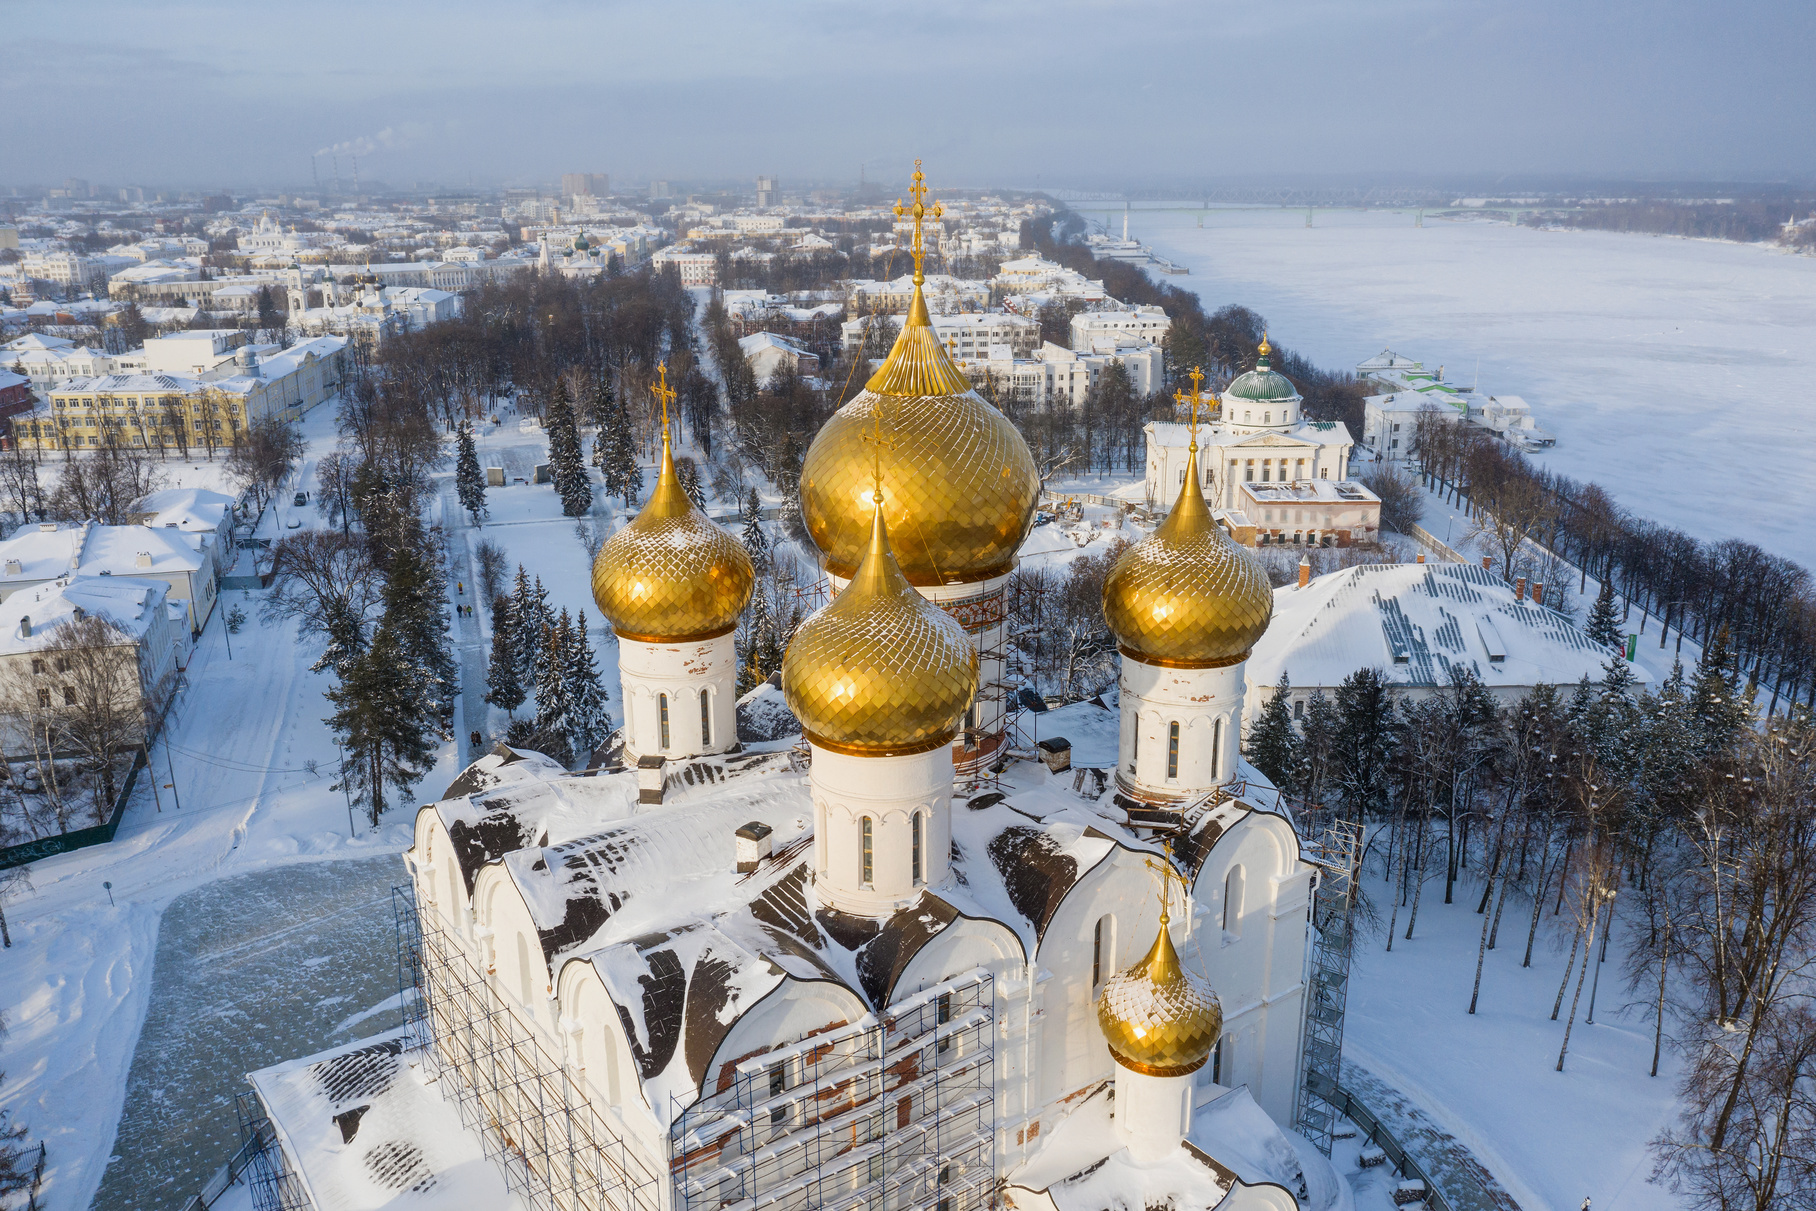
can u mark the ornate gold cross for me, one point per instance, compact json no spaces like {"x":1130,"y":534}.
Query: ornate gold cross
{"x":918,"y":211}
{"x":1194,"y":399}
{"x":1168,"y":872}
{"x":877,"y":443}
{"x":664,"y":393}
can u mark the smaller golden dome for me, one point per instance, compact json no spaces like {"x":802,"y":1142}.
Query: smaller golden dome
{"x":1188,"y":596}
{"x":672,"y":575}
{"x":881,"y":671}
{"x":1159,"y":1018}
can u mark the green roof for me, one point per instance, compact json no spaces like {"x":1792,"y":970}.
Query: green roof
{"x":1262,"y":383}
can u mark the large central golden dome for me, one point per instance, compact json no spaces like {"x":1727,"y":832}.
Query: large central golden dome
{"x":672,"y":575}
{"x":881,"y":671}
{"x":1157,"y":1017}
{"x":961,"y":484}
{"x":1188,"y":596}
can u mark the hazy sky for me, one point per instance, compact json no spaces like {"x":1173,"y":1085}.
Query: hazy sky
{"x":1063,"y":92}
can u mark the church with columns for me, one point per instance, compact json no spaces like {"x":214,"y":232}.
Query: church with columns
{"x":891,"y":962}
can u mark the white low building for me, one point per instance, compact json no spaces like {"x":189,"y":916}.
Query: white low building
{"x":967,"y":336}
{"x":1414,"y":623}
{"x":767,"y":352}
{"x":181,"y":560}
{"x":193,"y":511}
{"x":150,"y":645}
{"x":1056,"y":373}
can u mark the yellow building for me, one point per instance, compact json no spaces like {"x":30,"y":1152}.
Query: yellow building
{"x":183,"y":413}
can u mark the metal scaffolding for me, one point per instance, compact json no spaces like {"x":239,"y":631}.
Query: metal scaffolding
{"x":894,"y":1112}
{"x":1336,"y":850}
{"x":527,"y":1107}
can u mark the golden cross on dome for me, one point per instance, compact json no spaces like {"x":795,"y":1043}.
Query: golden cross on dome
{"x":664,"y":393}
{"x":1168,"y":872}
{"x":1194,"y":399}
{"x":877,"y":442}
{"x":918,"y":211}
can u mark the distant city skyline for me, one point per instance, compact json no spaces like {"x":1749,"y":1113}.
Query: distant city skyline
{"x":1064,"y":94}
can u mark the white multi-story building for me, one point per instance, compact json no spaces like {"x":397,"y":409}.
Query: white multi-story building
{"x":1092,"y":329}
{"x":968,"y":335}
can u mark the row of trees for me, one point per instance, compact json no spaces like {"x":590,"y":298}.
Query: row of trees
{"x":536,"y":651}
{"x":1534,"y":517}
{"x":1663,"y":808}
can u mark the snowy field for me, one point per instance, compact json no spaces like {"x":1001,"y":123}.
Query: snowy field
{"x":1676,"y":373}
{"x":1552,"y":1139}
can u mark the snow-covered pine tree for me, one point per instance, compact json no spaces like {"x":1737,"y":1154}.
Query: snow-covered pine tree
{"x":1717,"y":706}
{"x":554,"y":703}
{"x":527,"y":639}
{"x":567,"y":462}
{"x":1271,"y":739}
{"x":618,"y":460}
{"x":1317,"y":734}
{"x":755,"y":538}
{"x":689,"y":475}
{"x":379,"y":721}
{"x":591,"y":723}
{"x":504,"y":686}
{"x":414,"y":612}
{"x":469,"y":480}
{"x":346,"y":636}
{"x":1604,"y":622}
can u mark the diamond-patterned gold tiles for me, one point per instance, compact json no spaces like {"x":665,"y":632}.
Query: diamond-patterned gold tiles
{"x":1157,"y":1017}
{"x":881,"y":669}
{"x":1188,"y":595}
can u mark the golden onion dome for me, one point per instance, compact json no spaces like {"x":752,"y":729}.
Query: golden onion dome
{"x":961,"y":483}
{"x":1159,"y":1018}
{"x":881,"y":671}
{"x":672,"y":575}
{"x":1188,"y":596}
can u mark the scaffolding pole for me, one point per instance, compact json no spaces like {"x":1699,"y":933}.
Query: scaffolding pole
{"x":1336,"y":850}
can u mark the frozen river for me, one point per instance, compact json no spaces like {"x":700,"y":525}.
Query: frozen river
{"x":1679,"y":374}
{"x":250,"y":970}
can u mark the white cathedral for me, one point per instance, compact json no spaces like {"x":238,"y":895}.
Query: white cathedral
{"x":890,"y":964}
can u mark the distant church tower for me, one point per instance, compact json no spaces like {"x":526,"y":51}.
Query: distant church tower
{"x":672,"y":584}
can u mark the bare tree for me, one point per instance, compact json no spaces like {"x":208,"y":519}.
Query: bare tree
{"x":326,"y":581}
{"x":263,"y":455}
{"x":105,"y":485}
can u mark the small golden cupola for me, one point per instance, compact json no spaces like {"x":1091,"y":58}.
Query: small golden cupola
{"x":1158,"y":1018}
{"x":1188,"y":596}
{"x":962,"y":482}
{"x":881,"y":671}
{"x":672,"y":575}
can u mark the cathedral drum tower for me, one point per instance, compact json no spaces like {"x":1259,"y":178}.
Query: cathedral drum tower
{"x":1186,"y":605}
{"x":959,"y":489}
{"x":672,"y":584}
{"x":879,"y":679}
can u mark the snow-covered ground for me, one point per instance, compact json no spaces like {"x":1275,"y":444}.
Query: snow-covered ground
{"x":1552,"y":1139}
{"x":1674,"y":372}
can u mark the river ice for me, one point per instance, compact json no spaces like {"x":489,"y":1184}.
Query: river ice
{"x":250,"y":970}
{"x":1676,"y":373}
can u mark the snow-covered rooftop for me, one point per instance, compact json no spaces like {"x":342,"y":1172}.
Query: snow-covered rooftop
{"x":130,"y":605}
{"x":364,"y":1128}
{"x":1413,"y":623}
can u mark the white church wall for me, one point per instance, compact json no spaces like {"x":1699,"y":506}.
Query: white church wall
{"x":961,"y":947}
{"x":1205,"y":703}
{"x":1253,"y":954}
{"x":682,"y":671}
{"x":596,"y":1045}
{"x":511,"y":950}
{"x":892,"y":794}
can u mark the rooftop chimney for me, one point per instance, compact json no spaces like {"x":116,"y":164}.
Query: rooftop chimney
{"x":25,"y":626}
{"x":14,"y":568}
{"x":142,"y":560}
{"x":1519,"y":588}
{"x":1538,"y":592}
{"x":1305,"y":570}
{"x":1487,"y":563}
{"x":753,"y":845}
{"x":1421,"y":558}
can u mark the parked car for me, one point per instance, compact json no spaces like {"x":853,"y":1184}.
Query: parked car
{"x":302,"y":498}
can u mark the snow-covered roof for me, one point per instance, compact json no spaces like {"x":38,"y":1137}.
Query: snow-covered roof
{"x":156,"y":383}
{"x":130,"y":605}
{"x":184,"y":509}
{"x":366,"y":1127}
{"x":142,"y":551}
{"x":756,"y":342}
{"x":650,"y":897}
{"x":1413,"y":623}
{"x":35,"y":340}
